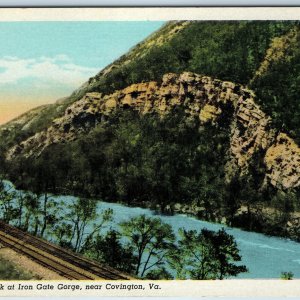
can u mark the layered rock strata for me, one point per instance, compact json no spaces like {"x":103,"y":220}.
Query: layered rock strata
{"x":211,"y":100}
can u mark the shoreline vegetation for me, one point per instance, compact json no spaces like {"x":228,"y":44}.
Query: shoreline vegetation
{"x":143,"y":246}
{"x":98,"y":241}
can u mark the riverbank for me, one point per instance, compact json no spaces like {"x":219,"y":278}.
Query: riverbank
{"x":255,"y":218}
{"x":265,"y":256}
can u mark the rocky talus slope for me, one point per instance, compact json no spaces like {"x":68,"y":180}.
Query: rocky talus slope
{"x":220,"y":103}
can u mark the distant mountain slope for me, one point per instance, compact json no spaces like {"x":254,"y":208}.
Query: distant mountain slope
{"x":30,"y":122}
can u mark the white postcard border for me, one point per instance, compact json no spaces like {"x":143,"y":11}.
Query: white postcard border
{"x":171,"y":288}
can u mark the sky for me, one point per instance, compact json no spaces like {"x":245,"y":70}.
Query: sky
{"x":41,"y":62}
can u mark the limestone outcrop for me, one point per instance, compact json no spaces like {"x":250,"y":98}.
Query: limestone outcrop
{"x":283,"y":162}
{"x":213,"y":101}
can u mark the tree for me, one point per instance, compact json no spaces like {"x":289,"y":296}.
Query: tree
{"x":82,"y":212}
{"x":20,"y":199}
{"x":159,"y":274}
{"x":177,"y":262}
{"x":209,"y":254}
{"x":108,"y":249}
{"x":7,"y":203}
{"x":32,"y":207}
{"x":284,"y":201}
{"x":287,"y":275}
{"x":150,"y":239}
{"x":62,"y":232}
{"x":48,"y":210}
{"x":225,"y":252}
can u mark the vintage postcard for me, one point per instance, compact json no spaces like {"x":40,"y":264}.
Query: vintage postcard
{"x":150,"y":151}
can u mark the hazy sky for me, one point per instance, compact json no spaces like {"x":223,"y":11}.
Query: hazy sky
{"x":43,"y":61}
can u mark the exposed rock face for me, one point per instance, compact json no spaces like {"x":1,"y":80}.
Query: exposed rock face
{"x":250,"y":133}
{"x":211,"y":100}
{"x":283,"y":162}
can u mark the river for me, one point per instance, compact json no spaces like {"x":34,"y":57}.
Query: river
{"x":265,"y":257}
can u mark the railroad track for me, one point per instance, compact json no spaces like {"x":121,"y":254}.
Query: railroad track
{"x":66,"y":263}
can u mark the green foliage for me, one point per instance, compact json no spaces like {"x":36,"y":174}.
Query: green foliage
{"x":150,"y":239}
{"x":287,"y":275}
{"x":159,"y":274}
{"x":223,"y":49}
{"x":278,"y":91}
{"x":207,"y":255}
{"x":8,"y":210}
{"x":143,"y":246}
{"x":32,"y":209}
{"x":204,"y":255}
{"x":158,"y":163}
{"x":81,"y":213}
{"x":134,"y":159}
{"x":109,"y":250}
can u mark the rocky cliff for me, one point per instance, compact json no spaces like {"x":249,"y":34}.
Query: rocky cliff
{"x":212,"y":101}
